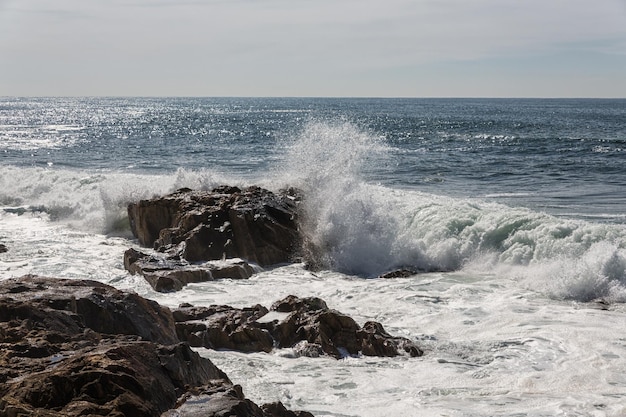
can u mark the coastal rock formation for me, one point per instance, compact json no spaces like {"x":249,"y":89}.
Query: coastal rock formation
{"x":3,"y":248}
{"x":253,"y":224}
{"x":305,"y":324}
{"x":166,"y":274}
{"x":78,"y":347}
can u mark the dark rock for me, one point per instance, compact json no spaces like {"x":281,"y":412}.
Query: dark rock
{"x":172,"y":274}
{"x":224,"y":327}
{"x":277,"y":409}
{"x":77,"y":348}
{"x":252,"y":223}
{"x":399,"y":273}
{"x":3,"y":248}
{"x":218,"y":401}
{"x":305,"y":324}
{"x":70,"y":306}
{"x":113,"y":378}
{"x":70,"y":347}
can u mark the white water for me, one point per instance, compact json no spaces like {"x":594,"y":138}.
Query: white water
{"x":512,"y":330}
{"x":492,"y":347}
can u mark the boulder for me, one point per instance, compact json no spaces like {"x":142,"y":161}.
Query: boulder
{"x":135,"y":378}
{"x":228,"y":222}
{"x":3,"y":248}
{"x":336,"y":334}
{"x":224,"y":327}
{"x":166,"y":274}
{"x":399,"y":273}
{"x":69,"y":307}
{"x":78,"y":347}
{"x":306,"y":325}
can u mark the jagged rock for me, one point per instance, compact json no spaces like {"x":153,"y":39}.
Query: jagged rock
{"x":277,"y":409}
{"x":228,"y":222}
{"x":218,"y":401}
{"x":399,"y":273}
{"x":78,"y":347}
{"x":306,"y":325}
{"x":224,"y":327}
{"x":68,"y":307}
{"x":3,"y":248}
{"x":172,"y":274}
{"x":114,"y":378}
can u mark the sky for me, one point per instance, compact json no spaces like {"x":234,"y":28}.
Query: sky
{"x":328,"y":48}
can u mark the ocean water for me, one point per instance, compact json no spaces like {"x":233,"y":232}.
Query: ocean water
{"x":514,"y":211}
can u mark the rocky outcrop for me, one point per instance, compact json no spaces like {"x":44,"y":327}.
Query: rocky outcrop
{"x":166,"y":274}
{"x":75,"y":348}
{"x":253,"y":224}
{"x":3,"y":248}
{"x":305,"y":324}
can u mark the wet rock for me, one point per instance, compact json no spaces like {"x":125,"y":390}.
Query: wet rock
{"x":69,"y":307}
{"x":305,"y":325}
{"x":166,"y":274}
{"x":3,"y":248}
{"x":217,"y":401}
{"x":399,"y":273}
{"x":277,"y":409}
{"x":112,"y":378}
{"x":228,"y":222}
{"x":224,"y":327}
{"x":78,"y":347}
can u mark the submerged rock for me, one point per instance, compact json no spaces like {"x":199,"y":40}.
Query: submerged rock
{"x":167,"y":274}
{"x":399,"y":273}
{"x":3,"y":248}
{"x":228,"y":222}
{"x":306,"y":325}
{"x":78,"y":347}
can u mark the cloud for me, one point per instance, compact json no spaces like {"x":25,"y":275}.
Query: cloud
{"x":286,"y":42}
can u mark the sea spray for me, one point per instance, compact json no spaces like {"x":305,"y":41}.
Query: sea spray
{"x":365,"y":229}
{"x":346,"y":228}
{"x":93,"y":201}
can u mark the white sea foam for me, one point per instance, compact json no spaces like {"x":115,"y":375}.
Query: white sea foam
{"x":361,"y":228}
{"x":93,"y":201}
{"x":364,"y":229}
{"x":510,"y":330}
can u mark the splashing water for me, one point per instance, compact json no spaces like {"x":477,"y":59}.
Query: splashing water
{"x":363,"y":229}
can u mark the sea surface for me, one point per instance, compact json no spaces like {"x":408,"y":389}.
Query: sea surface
{"x":514,"y":211}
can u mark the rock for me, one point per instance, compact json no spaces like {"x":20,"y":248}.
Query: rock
{"x":172,"y":274}
{"x":218,"y":401}
{"x":399,"y":273}
{"x":114,"y":378}
{"x":78,"y":347}
{"x":68,"y":307}
{"x":305,"y":325}
{"x":252,"y":223}
{"x":70,"y":347}
{"x":277,"y":409}
{"x":224,"y":327}
{"x":3,"y":248}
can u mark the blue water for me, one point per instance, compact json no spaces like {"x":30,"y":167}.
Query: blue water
{"x":565,"y":157}
{"x":513,"y":211}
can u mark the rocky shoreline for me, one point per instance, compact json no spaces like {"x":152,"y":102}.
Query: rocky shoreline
{"x":79,"y":347}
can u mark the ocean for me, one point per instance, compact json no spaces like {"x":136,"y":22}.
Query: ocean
{"x":513,"y":211}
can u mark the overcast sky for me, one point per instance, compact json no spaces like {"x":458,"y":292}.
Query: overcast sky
{"x":388,"y":48}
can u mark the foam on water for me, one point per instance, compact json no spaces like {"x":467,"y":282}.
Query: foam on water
{"x":364,"y":229}
{"x":505,"y":315}
{"x":359,"y":228}
{"x":93,"y":201}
